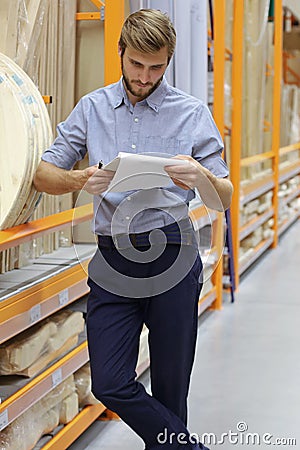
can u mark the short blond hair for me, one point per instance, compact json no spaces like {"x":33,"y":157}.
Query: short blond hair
{"x":148,"y":31}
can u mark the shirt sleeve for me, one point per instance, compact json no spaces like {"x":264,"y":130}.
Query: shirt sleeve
{"x":208,"y":145}
{"x":70,"y":143}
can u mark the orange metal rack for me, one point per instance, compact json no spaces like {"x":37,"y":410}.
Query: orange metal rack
{"x":15,"y":311}
{"x":16,"y":315}
{"x":279,"y":175}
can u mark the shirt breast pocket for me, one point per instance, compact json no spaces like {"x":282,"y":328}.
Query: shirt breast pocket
{"x":161,"y":145}
{"x":166,"y":145}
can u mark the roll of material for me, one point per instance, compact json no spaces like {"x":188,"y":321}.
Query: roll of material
{"x":25,"y":132}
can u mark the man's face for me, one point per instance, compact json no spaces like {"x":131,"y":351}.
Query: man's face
{"x":143,"y":72}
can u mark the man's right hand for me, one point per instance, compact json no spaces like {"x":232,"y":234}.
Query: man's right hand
{"x":56,"y":181}
{"x":97,"y":180}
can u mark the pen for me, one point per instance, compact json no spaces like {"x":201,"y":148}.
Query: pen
{"x":100,"y":164}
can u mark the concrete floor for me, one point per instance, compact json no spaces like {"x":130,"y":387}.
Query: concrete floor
{"x":247,"y":368}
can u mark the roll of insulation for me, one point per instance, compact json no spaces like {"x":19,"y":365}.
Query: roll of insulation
{"x":25,"y":132}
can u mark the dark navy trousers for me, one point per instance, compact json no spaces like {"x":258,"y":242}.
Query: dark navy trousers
{"x":114,"y":324}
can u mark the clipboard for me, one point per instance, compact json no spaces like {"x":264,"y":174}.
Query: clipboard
{"x":140,"y":171}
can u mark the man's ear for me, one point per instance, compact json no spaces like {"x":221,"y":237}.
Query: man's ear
{"x":119,"y":51}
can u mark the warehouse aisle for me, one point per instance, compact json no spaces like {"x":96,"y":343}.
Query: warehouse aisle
{"x":247,"y":369}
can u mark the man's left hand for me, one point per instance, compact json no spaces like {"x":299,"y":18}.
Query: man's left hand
{"x":187,"y":176}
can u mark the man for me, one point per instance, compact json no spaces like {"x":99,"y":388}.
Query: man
{"x":147,"y":278}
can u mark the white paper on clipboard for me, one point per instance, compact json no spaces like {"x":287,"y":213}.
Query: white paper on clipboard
{"x":140,"y":171}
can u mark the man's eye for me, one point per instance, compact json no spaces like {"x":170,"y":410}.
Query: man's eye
{"x":136,"y":63}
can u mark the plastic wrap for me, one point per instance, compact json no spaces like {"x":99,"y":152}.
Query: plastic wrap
{"x":256,"y":207}
{"x":228,"y":77}
{"x":287,"y":210}
{"x":30,"y":23}
{"x":41,"y":418}
{"x":290,"y":115}
{"x":68,"y":323}
{"x":69,"y":408}
{"x":254,"y":87}
{"x":30,"y":351}
{"x":21,"y":351}
{"x":21,"y":435}
{"x":82,"y":379}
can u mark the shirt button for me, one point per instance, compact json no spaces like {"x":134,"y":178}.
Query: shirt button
{"x":136,"y":120}
{"x":128,"y":198}
{"x":133,"y":146}
{"x":127,"y":218}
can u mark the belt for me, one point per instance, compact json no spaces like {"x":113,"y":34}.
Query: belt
{"x":171,"y":234}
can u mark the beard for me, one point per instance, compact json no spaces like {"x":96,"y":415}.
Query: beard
{"x":139,"y":93}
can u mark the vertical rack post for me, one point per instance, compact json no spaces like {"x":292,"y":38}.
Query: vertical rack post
{"x":278,"y":24}
{"x":114,"y":18}
{"x":236,"y":133}
{"x":219,"y":76}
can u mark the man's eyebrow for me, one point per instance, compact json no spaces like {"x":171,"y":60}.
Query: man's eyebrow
{"x":134,"y":60}
{"x":138,"y":62}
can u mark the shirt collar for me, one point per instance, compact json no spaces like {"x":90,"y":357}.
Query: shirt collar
{"x":154,"y":100}
{"x":120,"y":94}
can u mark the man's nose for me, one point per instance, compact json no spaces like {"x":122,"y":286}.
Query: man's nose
{"x":144,"y":75}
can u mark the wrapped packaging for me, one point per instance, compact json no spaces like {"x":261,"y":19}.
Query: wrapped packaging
{"x":68,"y":408}
{"x":58,"y":406}
{"x":39,"y":345}
{"x":82,"y":379}
{"x":22,"y":350}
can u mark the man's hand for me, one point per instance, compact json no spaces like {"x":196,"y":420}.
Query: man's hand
{"x":56,"y":181}
{"x":216,"y":193}
{"x":97,"y":180}
{"x":184,"y":176}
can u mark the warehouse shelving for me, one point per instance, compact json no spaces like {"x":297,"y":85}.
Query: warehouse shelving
{"x":21,"y":310}
{"x":20,"y":234}
{"x":285,"y":225}
{"x":32,"y":303}
{"x":25,"y":397}
{"x":255,"y":189}
{"x":271,"y":180}
{"x":293,"y":195}
{"x":289,"y":172}
{"x":255,"y":223}
{"x":257,"y":252}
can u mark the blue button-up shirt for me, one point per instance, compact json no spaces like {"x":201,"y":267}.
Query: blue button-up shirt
{"x":169,"y":121}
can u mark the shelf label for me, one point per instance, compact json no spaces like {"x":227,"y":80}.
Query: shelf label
{"x":57,"y":377}
{"x":35,"y":313}
{"x":63,"y":297}
{"x":3,"y":419}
